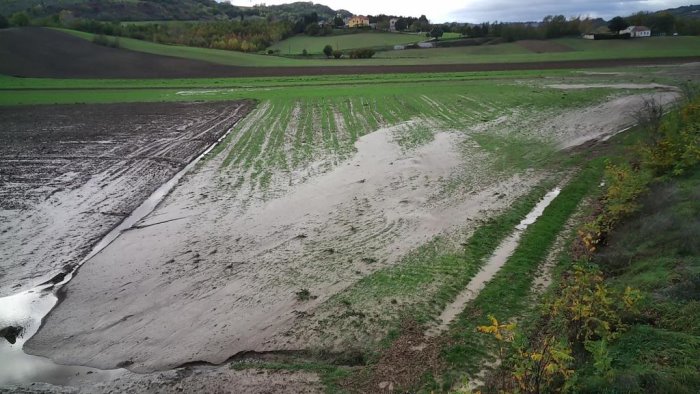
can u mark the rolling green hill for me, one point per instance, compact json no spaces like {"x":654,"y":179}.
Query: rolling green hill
{"x":501,"y":53}
{"x":688,"y":11}
{"x":165,"y":10}
{"x":314,"y":45}
{"x":125,"y":10}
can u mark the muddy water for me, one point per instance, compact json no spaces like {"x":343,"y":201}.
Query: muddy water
{"x":492,"y":266}
{"x":28,"y":308}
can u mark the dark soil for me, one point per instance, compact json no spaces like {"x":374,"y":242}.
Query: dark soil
{"x":403,"y":366}
{"x":40,"y":143}
{"x":46,"y":53}
{"x":70,"y":173}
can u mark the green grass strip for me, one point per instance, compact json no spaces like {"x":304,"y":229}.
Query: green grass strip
{"x":506,"y":296}
{"x":433,"y":274}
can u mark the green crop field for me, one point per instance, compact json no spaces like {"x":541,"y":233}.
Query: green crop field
{"x":314,"y":45}
{"x":501,"y":53}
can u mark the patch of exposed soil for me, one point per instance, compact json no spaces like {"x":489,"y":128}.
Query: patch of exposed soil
{"x":47,"y":53}
{"x":576,"y":127}
{"x":403,"y":365}
{"x":70,"y":173}
{"x":544,"y":46}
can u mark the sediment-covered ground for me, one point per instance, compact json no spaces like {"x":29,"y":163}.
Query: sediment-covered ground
{"x":262,"y":246}
{"x":70,"y":173}
{"x":221,"y":267}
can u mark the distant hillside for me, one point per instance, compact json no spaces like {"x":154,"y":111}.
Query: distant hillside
{"x":294,"y":10}
{"x":162,"y":10}
{"x":688,"y":11}
{"x":123,"y":10}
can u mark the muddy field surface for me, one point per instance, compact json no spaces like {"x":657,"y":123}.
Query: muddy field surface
{"x":191,"y":379}
{"x":46,"y":53}
{"x":221,"y":268}
{"x":211,"y":274}
{"x":70,"y":173}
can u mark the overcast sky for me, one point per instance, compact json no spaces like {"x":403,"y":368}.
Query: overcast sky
{"x":491,"y":10}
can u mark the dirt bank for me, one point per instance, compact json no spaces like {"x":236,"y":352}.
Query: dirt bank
{"x":47,"y":53}
{"x":601,"y":121}
{"x":70,"y":173}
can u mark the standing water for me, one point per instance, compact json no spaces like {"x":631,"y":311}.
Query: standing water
{"x":492,"y":266}
{"x":27,"y":309}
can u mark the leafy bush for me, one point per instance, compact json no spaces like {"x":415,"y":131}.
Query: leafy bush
{"x":337,"y":54}
{"x":101,"y":39}
{"x":675,"y":144}
{"x":328,"y":50}
{"x":365,"y":53}
{"x":584,"y":314}
{"x":624,"y":184}
{"x":19,"y":19}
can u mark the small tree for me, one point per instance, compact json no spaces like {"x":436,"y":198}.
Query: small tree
{"x":401,"y":24}
{"x":616,"y":24}
{"x":338,"y":22}
{"x":312,"y":29}
{"x":19,"y":19}
{"x":436,"y":33}
{"x":328,"y":50}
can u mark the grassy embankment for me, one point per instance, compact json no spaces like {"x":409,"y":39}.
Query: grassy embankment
{"x":623,"y":316}
{"x":501,"y":53}
{"x":655,"y":249}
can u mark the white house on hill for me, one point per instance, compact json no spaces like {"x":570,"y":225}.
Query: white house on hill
{"x":637,"y":31}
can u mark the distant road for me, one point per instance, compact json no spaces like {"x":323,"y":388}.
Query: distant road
{"x":47,"y":53}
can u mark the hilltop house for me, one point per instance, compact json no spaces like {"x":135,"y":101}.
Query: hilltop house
{"x":637,"y":31}
{"x":392,"y":24}
{"x":358,"y":21}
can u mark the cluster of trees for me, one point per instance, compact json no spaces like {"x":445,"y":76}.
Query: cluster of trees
{"x":552,"y":26}
{"x":162,"y":10}
{"x":411,"y":24}
{"x":114,"y":10}
{"x":309,"y":24}
{"x":665,"y":23}
{"x":555,"y":26}
{"x":245,"y":36}
{"x":364,"y":53}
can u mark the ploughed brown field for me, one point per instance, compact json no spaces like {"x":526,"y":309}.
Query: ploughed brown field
{"x":72,"y":172}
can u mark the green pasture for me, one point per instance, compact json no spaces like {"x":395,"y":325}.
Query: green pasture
{"x":314,"y":45}
{"x":500,"y":53}
{"x":21,"y":91}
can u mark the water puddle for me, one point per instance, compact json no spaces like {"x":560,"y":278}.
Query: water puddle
{"x":492,"y":266}
{"x":28,"y":308}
